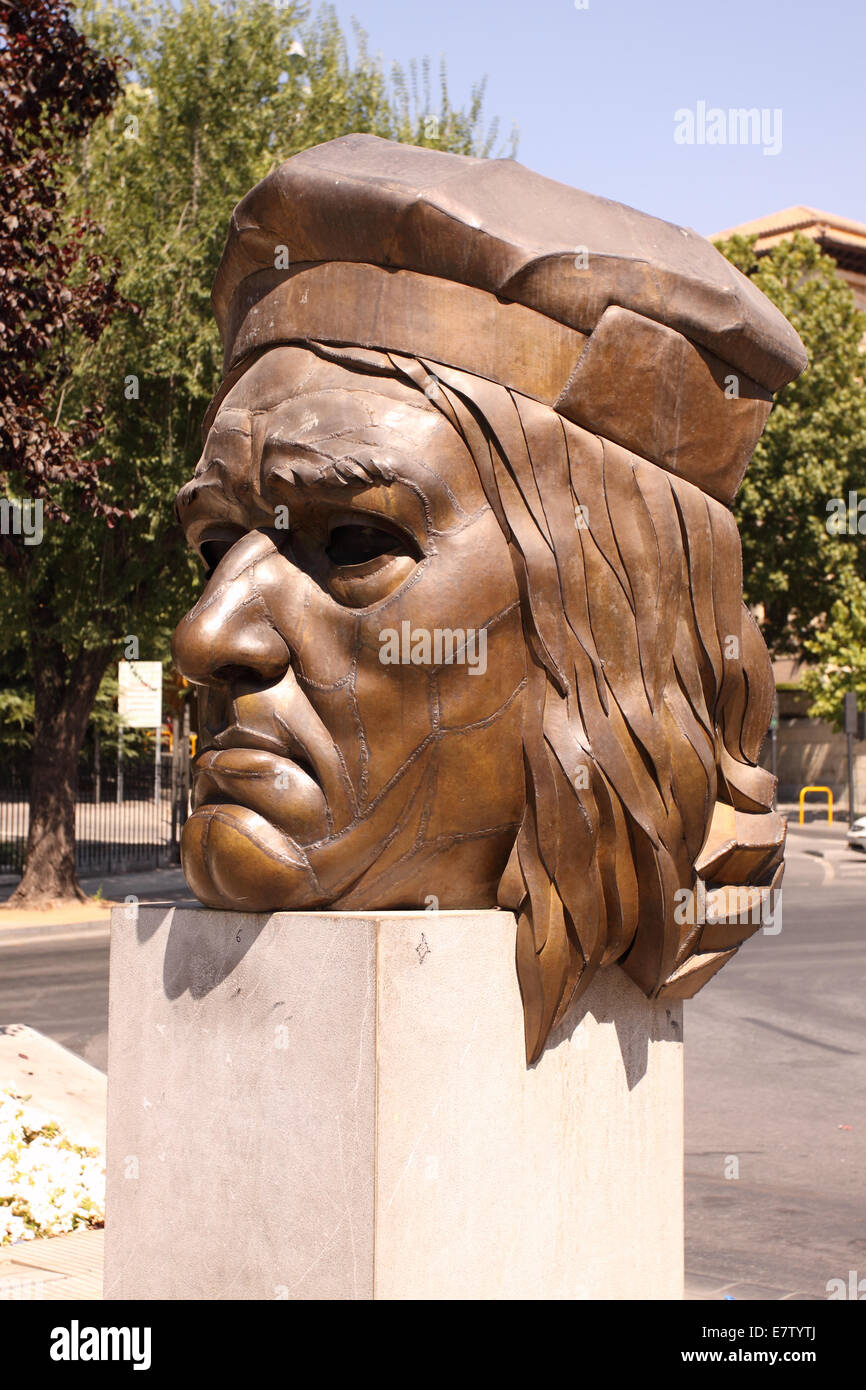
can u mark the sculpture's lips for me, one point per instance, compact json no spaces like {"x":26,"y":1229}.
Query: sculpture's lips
{"x":237,"y":737}
{"x":277,"y":788}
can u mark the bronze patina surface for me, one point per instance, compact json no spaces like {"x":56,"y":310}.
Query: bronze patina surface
{"x":473,"y":629}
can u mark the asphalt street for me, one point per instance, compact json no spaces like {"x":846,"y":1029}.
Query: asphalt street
{"x":775,"y":1082}
{"x":776,"y":1088}
{"x":59,"y":984}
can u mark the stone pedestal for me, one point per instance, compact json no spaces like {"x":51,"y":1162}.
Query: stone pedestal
{"x":334,"y":1105}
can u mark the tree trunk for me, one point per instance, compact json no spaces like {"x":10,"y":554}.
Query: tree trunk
{"x":64,"y":696}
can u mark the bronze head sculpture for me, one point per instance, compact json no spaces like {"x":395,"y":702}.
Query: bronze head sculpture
{"x":473,"y":630}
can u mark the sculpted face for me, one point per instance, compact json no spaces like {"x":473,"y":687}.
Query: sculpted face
{"x":482,"y":646}
{"x":358,"y":648}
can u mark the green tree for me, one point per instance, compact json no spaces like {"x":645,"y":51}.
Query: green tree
{"x":797,"y":568}
{"x":57,"y":296}
{"x":838,"y":653}
{"x":214,"y":96}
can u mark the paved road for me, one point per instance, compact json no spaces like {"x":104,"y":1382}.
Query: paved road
{"x":776,"y":1088}
{"x":59,"y":984}
{"x":775,"y":1076}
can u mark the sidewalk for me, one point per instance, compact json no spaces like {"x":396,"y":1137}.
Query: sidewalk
{"x":59,"y":1267}
{"x":69,"y":1267}
{"x":152,"y":885}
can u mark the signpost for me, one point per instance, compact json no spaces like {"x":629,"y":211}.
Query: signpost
{"x":139,"y":706}
{"x":774,"y":733}
{"x":851,"y":734}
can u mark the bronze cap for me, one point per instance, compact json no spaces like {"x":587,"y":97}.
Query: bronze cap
{"x":633,"y":327}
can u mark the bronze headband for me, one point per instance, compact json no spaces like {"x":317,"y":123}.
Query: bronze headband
{"x":633,"y":380}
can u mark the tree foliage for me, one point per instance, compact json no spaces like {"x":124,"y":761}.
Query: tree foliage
{"x":813,"y":450}
{"x":56,"y":294}
{"x":838,"y":654}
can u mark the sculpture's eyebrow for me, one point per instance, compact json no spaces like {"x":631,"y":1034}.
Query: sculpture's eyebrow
{"x":304,"y":465}
{"x":296,"y":464}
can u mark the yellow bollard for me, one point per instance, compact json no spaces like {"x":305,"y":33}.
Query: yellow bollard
{"x":803,"y":792}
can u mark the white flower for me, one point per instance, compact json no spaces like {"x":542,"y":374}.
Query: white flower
{"x":48,"y":1184}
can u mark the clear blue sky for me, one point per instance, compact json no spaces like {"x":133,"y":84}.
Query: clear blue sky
{"x":593,"y":93}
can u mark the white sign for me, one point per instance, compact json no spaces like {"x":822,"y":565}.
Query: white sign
{"x":139,"y":694}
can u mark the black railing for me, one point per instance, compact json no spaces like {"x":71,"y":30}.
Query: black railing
{"x":14,"y":819}
{"x":125,"y":818}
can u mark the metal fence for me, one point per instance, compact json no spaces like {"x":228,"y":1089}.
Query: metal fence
{"x":126,"y":818}
{"x":14,"y":819}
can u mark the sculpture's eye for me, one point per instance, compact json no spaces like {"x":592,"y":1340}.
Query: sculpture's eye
{"x":355,"y":545}
{"x":368,"y":562}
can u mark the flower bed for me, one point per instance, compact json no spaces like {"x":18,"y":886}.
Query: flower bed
{"x":48,"y":1183}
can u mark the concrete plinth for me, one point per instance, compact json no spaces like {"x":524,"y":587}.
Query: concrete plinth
{"x":334,"y":1106}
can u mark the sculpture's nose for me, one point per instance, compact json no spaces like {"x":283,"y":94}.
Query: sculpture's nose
{"x":229,"y":634}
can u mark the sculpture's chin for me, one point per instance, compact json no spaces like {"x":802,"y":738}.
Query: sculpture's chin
{"x":233,"y":858}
